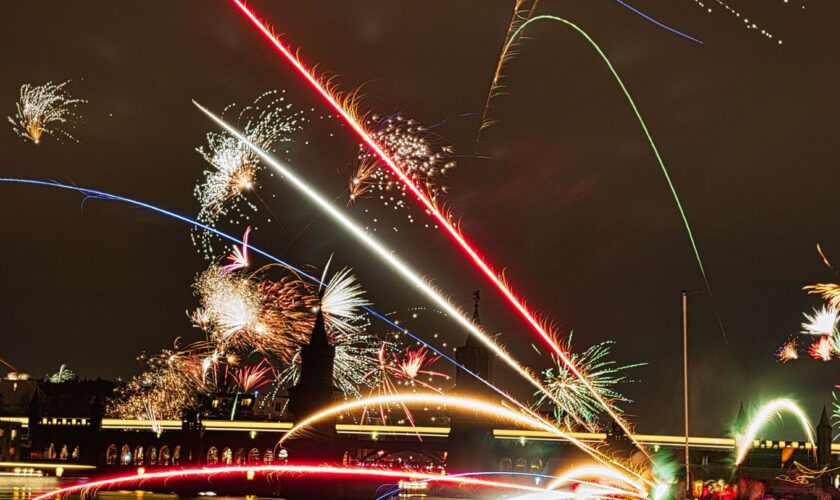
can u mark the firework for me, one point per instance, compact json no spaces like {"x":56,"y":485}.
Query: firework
{"x":423,"y":155}
{"x":764,"y":414}
{"x":234,"y":167}
{"x":249,"y":378}
{"x":169,"y":383}
{"x":821,"y":349}
{"x":239,"y":312}
{"x":41,"y":109}
{"x":788,"y":351}
{"x":239,"y":471}
{"x":822,"y":322}
{"x":828,"y":291}
{"x":239,"y":258}
{"x":392,"y":371}
{"x":342,"y":302}
{"x":388,"y":256}
{"x":575,"y":400}
{"x":348,"y":114}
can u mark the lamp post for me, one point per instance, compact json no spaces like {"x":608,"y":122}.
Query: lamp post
{"x":685,"y":294}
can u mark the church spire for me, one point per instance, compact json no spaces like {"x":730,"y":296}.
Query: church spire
{"x":472,"y":341}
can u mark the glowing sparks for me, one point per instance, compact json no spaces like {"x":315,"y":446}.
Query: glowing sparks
{"x":342,"y":302}
{"x":764,"y":414}
{"x":349,"y":116}
{"x":822,"y":322}
{"x":42,"y":109}
{"x":248,"y":378}
{"x":821,"y":349}
{"x":234,"y":167}
{"x":747,"y":22}
{"x":239,"y":258}
{"x":788,"y":351}
{"x":422,"y":154}
{"x":576,"y":404}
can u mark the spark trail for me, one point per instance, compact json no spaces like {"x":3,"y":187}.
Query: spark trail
{"x":308,"y":470}
{"x":347,"y":113}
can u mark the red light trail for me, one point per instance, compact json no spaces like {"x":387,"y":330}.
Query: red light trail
{"x":444,"y":221}
{"x":314,"y":470}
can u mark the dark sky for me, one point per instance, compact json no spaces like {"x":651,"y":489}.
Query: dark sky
{"x":570,"y":202}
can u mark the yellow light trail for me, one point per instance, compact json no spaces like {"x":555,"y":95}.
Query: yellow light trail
{"x":764,"y":414}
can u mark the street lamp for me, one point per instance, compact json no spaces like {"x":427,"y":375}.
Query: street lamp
{"x":685,"y":294}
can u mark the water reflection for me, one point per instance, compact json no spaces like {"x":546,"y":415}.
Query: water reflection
{"x":25,"y":488}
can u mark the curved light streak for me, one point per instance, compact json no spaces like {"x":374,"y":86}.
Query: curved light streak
{"x":594,"y":471}
{"x":358,"y":472}
{"x":644,"y":127}
{"x":530,"y":420}
{"x":96,"y":194}
{"x":442,"y":219}
{"x":763,"y":416}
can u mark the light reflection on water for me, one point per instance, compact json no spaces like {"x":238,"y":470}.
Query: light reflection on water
{"x":25,"y":488}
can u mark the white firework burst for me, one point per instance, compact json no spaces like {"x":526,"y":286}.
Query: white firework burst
{"x":41,"y":109}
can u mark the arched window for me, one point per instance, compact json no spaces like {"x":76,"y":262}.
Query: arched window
{"x":521,"y":464}
{"x":49,"y":452}
{"x":111,"y":455}
{"x":240,"y":456}
{"x":268,"y":456}
{"x":138,"y":455}
{"x":152,"y":455}
{"x":212,"y":456}
{"x":283,"y":455}
{"x":254,"y":456}
{"x":125,"y":455}
{"x":76,"y":453}
{"x":64,"y":454}
{"x":164,"y":455}
{"x":176,"y":455}
{"x":505,"y":464}
{"x":227,"y":456}
{"x":536,"y":465}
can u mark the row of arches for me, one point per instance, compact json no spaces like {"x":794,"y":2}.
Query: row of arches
{"x":63,"y":453}
{"x":140,"y":455}
{"x":240,"y":457}
{"x":506,"y":464}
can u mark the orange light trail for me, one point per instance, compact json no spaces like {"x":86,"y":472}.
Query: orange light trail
{"x":443,"y":220}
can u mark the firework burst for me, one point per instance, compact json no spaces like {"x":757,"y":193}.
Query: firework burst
{"x":821,"y":349}
{"x":41,"y":109}
{"x":169,"y":383}
{"x":574,"y":401}
{"x":424,"y":155}
{"x":822,"y":322}
{"x":234,"y":167}
{"x":789,"y":351}
{"x":248,"y":378}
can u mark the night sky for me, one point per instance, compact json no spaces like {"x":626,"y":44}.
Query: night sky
{"x":563,"y":193}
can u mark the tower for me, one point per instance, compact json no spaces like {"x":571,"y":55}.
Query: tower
{"x":824,"y":439}
{"x":471,"y":436}
{"x":475,"y":357}
{"x":314,"y":391}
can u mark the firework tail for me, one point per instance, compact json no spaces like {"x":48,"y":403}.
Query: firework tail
{"x":293,"y":470}
{"x":442,"y":219}
{"x":648,"y":136}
